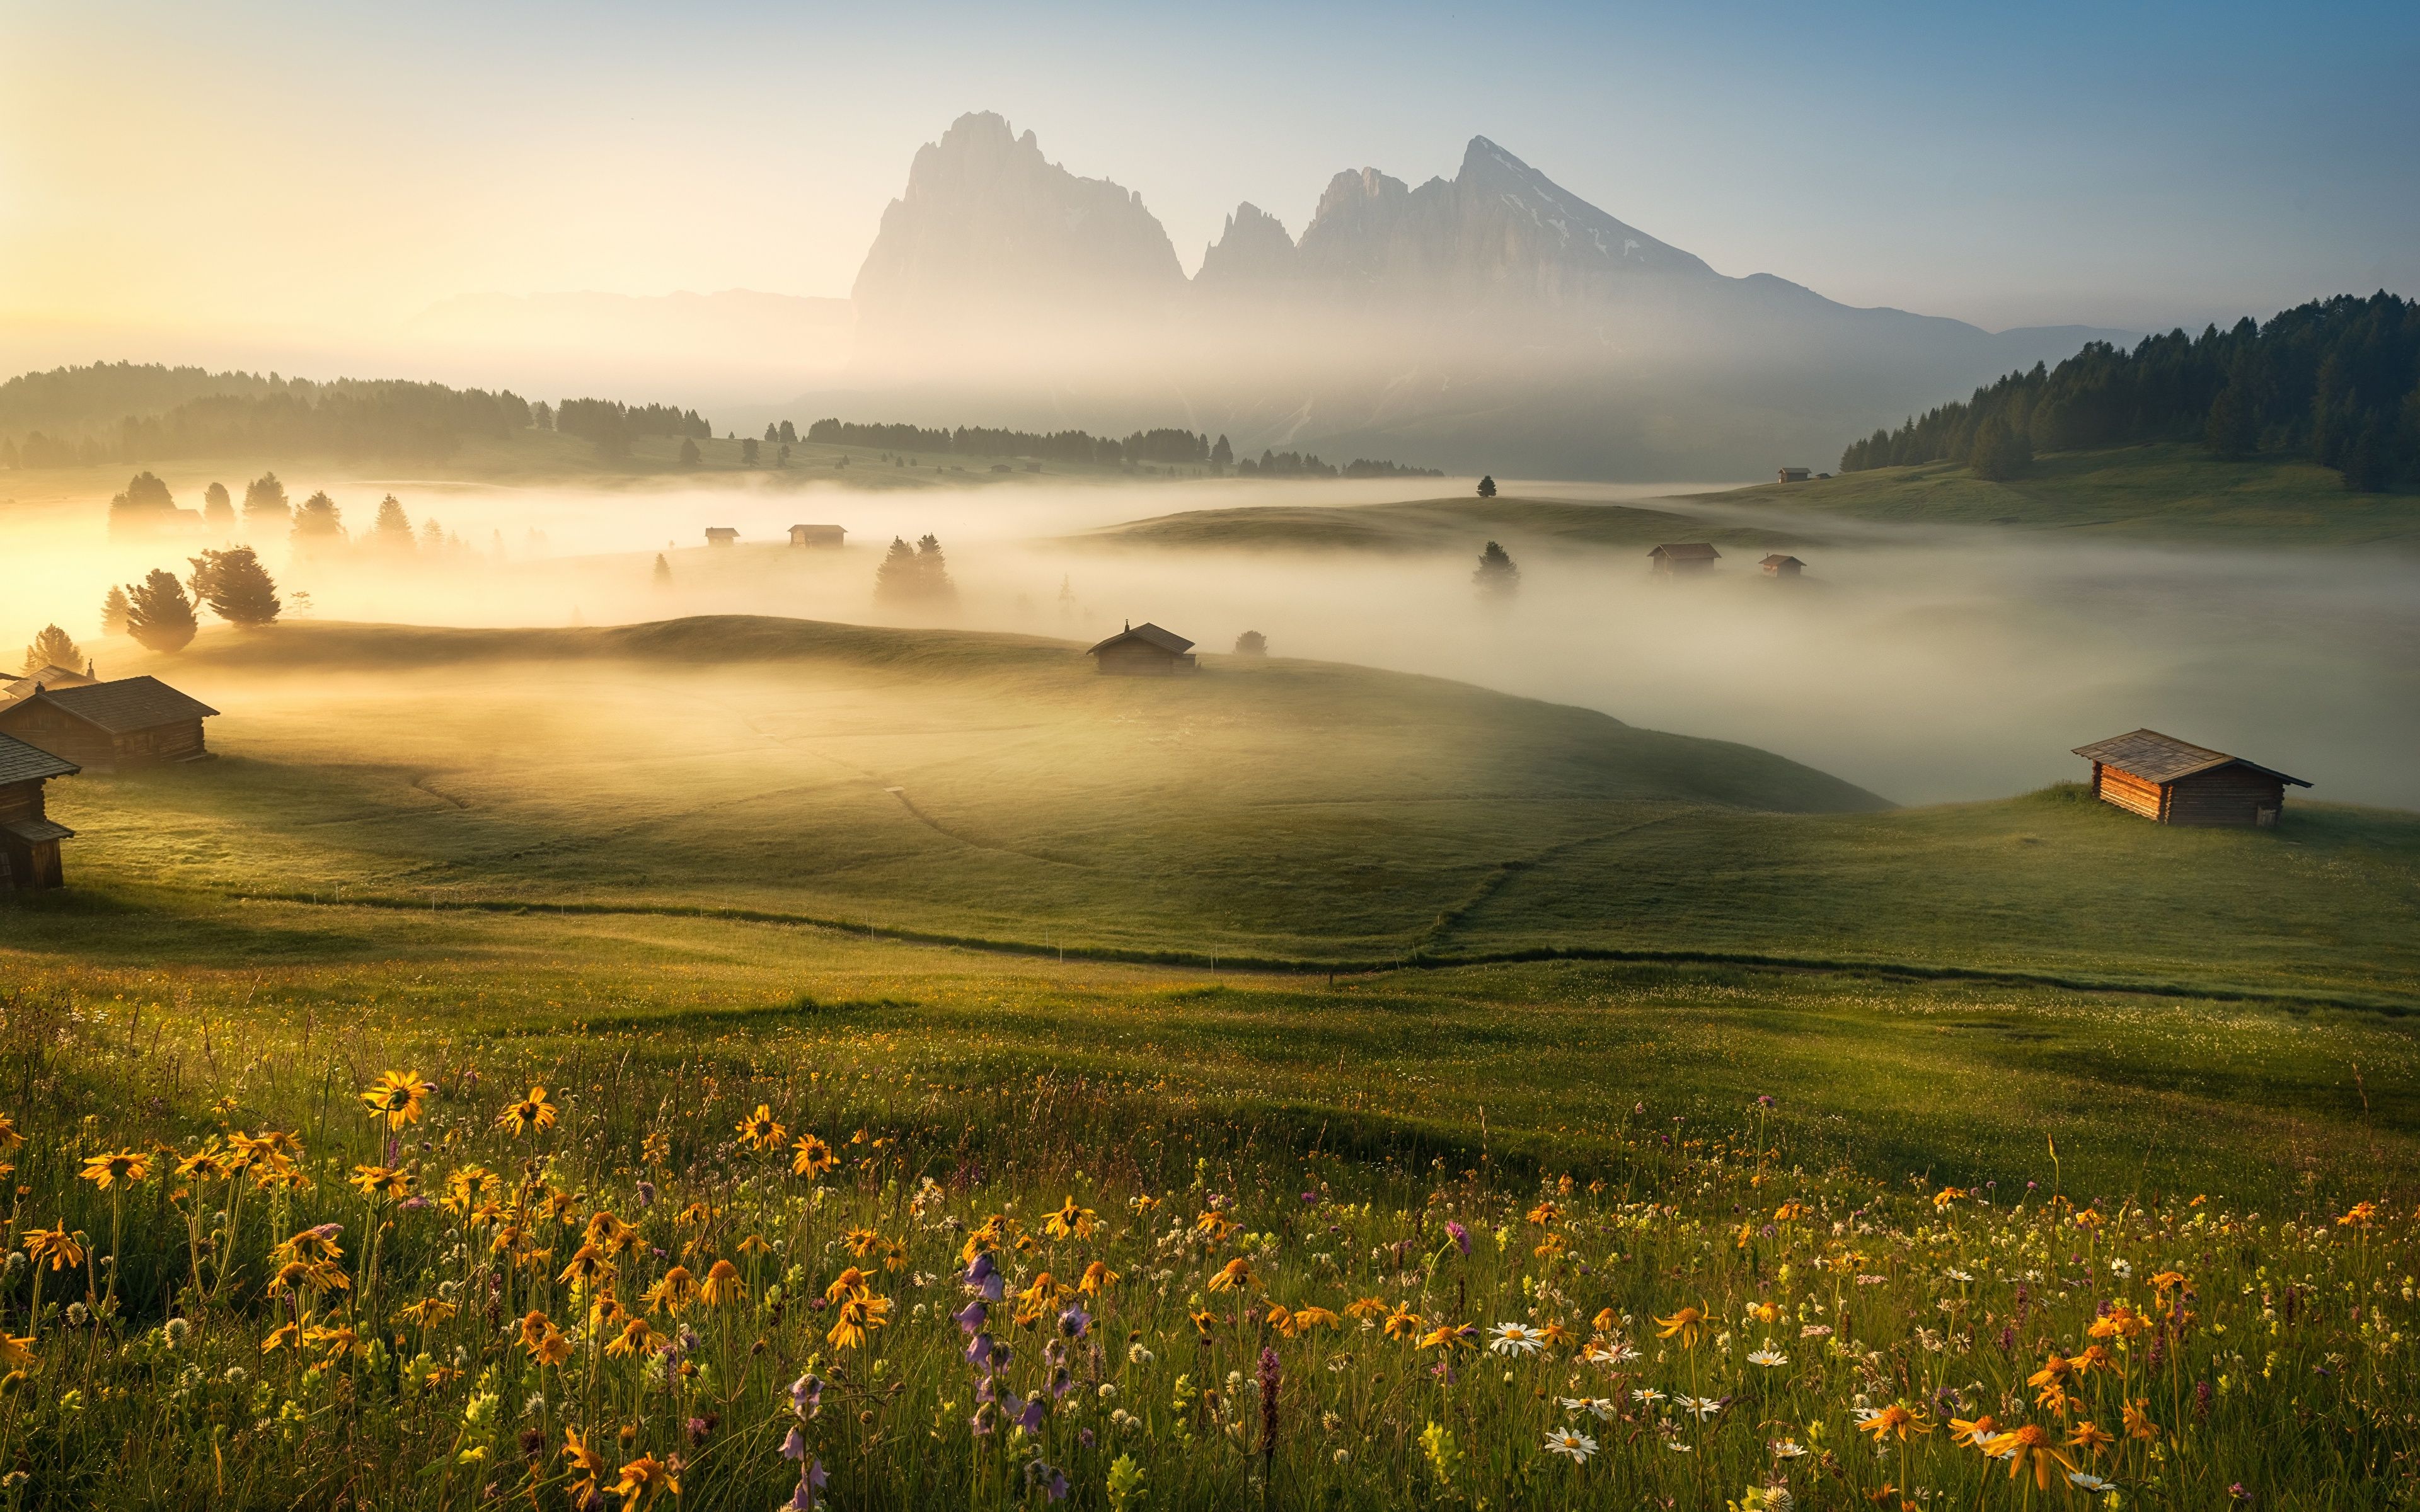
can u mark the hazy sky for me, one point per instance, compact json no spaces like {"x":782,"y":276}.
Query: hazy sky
{"x":280,"y":168}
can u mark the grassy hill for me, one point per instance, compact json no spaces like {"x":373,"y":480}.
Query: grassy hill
{"x":992,"y":788}
{"x":1438,"y":525}
{"x":2169,"y":492}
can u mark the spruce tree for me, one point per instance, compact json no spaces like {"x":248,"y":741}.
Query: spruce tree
{"x":319,"y":524}
{"x":392,"y":529}
{"x":895,"y":579}
{"x":218,"y":509}
{"x":2234,"y":428}
{"x":54,"y":647}
{"x":933,"y":569}
{"x":1488,"y":487}
{"x":113,"y":611}
{"x":264,"y":503}
{"x":158,"y":613}
{"x":748,"y":453}
{"x":1496,"y":573}
{"x":688,"y":453}
{"x":237,"y":587}
{"x":663,"y":571}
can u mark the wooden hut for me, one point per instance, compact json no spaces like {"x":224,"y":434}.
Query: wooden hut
{"x":2174,"y":782}
{"x":1778,"y":566}
{"x":13,"y":688}
{"x":29,"y":838}
{"x":1675,"y":561}
{"x":720,"y":535}
{"x":1144,"y":651}
{"x":134,"y":721}
{"x":817,"y":535}
{"x":1795,"y":474}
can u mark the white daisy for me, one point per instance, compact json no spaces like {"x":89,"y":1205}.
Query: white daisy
{"x":1516,"y":1339}
{"x":1769,"y":1357}
{"x":1576,"y":1446}
{"x":1787,"y":1449}
{"x":1610,"y":1353}
{"x":2093,"y":1484}
{"x":1601,"y":1408}
{"x":1646,"y":1396}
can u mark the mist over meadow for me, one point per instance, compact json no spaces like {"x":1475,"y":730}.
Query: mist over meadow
{"x":1927,"y":664}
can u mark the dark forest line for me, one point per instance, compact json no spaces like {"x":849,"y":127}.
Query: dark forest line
{"x":2336,"y":381}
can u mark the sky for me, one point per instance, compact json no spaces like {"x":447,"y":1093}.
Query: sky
{"x":250,"y":175}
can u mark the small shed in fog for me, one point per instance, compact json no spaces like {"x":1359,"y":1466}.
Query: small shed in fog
{"x":1144,"y":651}
{"x":720,"y":535}
{"x":53,"y":676}
{"x":1778,"y":566}
{"x":2176,"y":783}
{"x":134,"y":721}
{"x":817,"y":535}
{"x":1674,"y":561}
{"x":1795,"y":474}
{"x":29,"y":838}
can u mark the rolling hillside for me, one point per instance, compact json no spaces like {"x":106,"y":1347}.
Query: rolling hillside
{"x":992,"y":789}
{"x":1438,"y":525}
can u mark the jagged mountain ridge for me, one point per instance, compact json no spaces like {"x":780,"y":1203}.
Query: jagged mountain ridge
{"x":1424,"y":319}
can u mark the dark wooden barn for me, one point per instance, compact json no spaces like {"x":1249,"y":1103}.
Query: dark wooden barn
{"x":817,"y":534}
{"x":720,"y":535}
{"x":1778,"y":566}
{"x":1145,"y":651}
{"x":29,"y":838}
{"x":1676,"y":560}
{"x":134,"y":721}
{"x":2174,"y":782}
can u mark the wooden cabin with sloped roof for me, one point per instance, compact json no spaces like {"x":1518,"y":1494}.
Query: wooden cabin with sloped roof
{"x":1145,"y":651}
{"x":134,"y":721}
{"x":1675,"y":560}
{"x":2176,"y":783}
{"x":29,"y":838}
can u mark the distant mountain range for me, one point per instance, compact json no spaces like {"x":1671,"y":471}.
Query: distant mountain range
{"x":1489,"y":320}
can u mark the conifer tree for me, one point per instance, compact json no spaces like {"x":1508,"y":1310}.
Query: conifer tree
{"x":2234,"y":429}
{"x":663,"y":571}
{"x":54,"y":647}
{"x":218,"y":509}
{"x":319,"y":524}
{"x":265,"y":507}
{"x":1488,"y":487}
{"x":748,"y":452}
{"x":392,"y":529}
{"x":688,"y":453}
{"x":113,"y":611}
{"x":1496,"y":573}
{"x":237,"y":587}
{"x":158,"y":613}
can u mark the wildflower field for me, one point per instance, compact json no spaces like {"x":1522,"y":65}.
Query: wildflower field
{"x":317,"y":1208}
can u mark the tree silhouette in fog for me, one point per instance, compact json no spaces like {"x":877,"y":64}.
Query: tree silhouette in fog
{"x":158,"y":613}
{"x":1487,"y":490}
{"x":1496,"y":575}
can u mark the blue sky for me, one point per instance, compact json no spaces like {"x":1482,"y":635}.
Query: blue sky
{"x":312,"y":165}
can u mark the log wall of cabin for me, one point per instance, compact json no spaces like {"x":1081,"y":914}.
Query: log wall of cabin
{"x":68,"y":739}
{"x":2128,"y":792}
{"x":166,"y":743}
{"x":2225,"y":795}
{"x":21,"y":800}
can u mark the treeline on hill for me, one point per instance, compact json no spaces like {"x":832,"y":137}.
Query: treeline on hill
{"x":348,"y":417}
{"x":2334,"y":381}
{"x":125,"y":412}
{"x":1164,"y":445}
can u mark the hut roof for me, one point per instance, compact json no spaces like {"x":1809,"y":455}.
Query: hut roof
{"x":37,"y":831}
{"x":21,"y":763}
{"x":2158,"y":758}
{"x":50,"y":676}
{"x":1150,"y":635}
{"x":127,"y":704}
{"x":1777,"y":559}
{"x":1688,"y":551}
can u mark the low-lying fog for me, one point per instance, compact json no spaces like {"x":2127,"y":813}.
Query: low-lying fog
{"x":1925,"y":665}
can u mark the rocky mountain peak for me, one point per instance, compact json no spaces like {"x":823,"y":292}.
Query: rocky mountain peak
{"x":987,"y":222}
